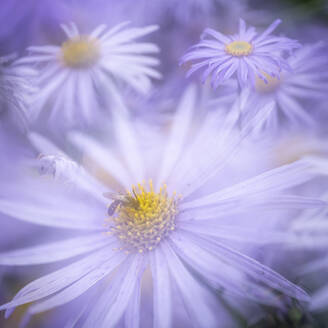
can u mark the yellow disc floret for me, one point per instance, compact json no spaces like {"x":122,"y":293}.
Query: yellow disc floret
{"x":142,"y":217}
{"x":270,"y":85}
{"x":80,"y":52}
{"x":239,"y":48}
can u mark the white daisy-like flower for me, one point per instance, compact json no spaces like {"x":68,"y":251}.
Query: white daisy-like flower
{"x":160,"y":217}
{"x":79,"y":76}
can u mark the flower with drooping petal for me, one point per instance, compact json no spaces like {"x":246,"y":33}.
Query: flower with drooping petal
{"x":161,"y":219}
{"x":78,"y":77}
{"x":246,"y":54}
{"x":17,"y":87}
{"x":297,"y":92}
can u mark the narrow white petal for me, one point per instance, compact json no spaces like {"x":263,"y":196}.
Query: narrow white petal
{"x":227,"y":143}
{"x":253,"y":268}
{"x":132,"y":313}
{"x":130,"y":34}
{"x":127,"y":141}
{"x":178,"y":134}
{"x":51,"y":215}
{"x":233,"y":233}
{"x":44,"y":145}
{"x":103,"y":157}
{"x":114,"y":301}
{"x":162,"y":298}
{"x":114,"y":30}
{"x":193,"y":295}
{"x":268,"y":31}
{"x":275,"y":180}
{"x":222,"y":276}
{"x":97,"y":31}
{"x":81,"y":286}
{"x":56,"y":281}
{"x":54,"y":252}
{"x":44,"y":49}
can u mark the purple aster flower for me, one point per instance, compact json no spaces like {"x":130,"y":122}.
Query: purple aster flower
{"x":160,"y":216}
{"x":246,"y":54}
{"x":77,"y":76}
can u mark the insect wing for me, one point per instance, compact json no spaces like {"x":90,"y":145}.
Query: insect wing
{"x":112,"y":208}
{"x":113,"y":196}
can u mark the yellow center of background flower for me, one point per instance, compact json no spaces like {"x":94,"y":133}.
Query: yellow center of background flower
{"x":80,"y":52}
{"x":296,"y":147}
{"x":239,"y":48}
{"x":271,"y":85}
{"x":143,"y":218}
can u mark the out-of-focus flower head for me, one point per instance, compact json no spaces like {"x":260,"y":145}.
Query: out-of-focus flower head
{"x":246,"y":54}
{"x":161,"y":216}
{"x":296,"y":93}
{"x":17,"y":89}
{"x":80,"y":76}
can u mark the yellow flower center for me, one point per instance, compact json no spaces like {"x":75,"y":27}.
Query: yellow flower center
{"x":239,"y":48}
{"x":142,"y":218}
{"x":271,"y":86}
{"x":80,"y":52}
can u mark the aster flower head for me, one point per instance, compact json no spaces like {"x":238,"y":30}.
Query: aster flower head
{"x":246,"y":54}
{"x":17,"y":88}
{"x":160,"y":216}
{"x":79,"y":76}
{"x":295,"y":92}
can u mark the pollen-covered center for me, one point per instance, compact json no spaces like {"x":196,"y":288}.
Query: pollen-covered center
{"x":270,"y":85}
{"x":239,"y":48}
{"x":80,"y":52}
{"x":141,"y":218}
